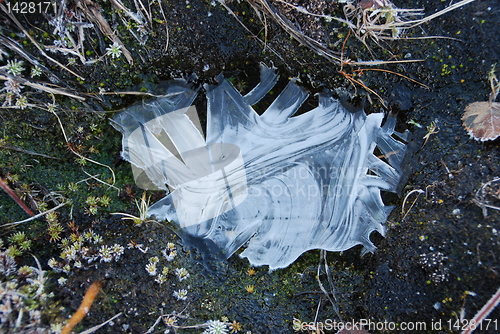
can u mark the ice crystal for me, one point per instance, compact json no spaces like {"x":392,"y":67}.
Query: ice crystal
{"x":280,"y":185}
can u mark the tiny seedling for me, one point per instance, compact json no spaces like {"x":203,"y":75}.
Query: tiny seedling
{"x":143,"y":206}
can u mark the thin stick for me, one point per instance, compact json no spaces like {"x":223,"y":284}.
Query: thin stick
{"x":44,"y":88}
{"x":93,"y":329}
{"x":35,"y":216}
{"x":84,"y":308}
{"x":392,"y":72}
{"x":78,"y":154}
{"x":13,"y":195}
{"x":28,"y":35}
{"x":101,"y":181}
{"x":441,"y":12}
{"x":28,"y":152}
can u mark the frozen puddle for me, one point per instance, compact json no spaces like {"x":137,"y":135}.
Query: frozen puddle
{"x":276,"y":184}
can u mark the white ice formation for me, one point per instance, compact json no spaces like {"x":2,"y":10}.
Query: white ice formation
{"x":276,"y":184}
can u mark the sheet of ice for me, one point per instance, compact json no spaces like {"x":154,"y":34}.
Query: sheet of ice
{"x":276,"y":184}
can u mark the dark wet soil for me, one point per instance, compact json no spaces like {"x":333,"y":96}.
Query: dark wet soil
{"x":440,"y":258}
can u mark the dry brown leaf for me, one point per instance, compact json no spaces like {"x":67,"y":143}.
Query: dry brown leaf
{"x":482,"y":120}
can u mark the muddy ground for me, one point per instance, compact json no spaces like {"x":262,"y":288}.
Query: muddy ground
{"x":439,"y":260}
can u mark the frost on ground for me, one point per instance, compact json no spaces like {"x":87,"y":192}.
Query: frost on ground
{"x":276,"y":184}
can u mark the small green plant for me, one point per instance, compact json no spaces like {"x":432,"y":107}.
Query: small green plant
{"x":114,"y":50}
{"x":19,"y":244}
{"x":142,"y":205}
{"x":15,"y":67}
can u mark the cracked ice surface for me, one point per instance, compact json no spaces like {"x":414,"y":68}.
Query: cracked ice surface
{"x":276,"y":184}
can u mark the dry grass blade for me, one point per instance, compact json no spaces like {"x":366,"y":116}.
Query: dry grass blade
{"x":142,"y":17}
{"x":383,"y":20}
{"x":257,"y":10}
{"x":14,"y":46}
{"x":92,"y":11}
{"x":95,"y":328}
{"x":166,"y":26}
{"x":35,"y":43}
{"x":395,"y":73}
{"x":441,"y":12}
{"x":35,"y":216}
{"x":17,"y":149}
{"x":301,"y":9}
{"x":289,"y":27}
{"x":488,"y":195}
{"x":45,"y":88}
{"x":333,"y":301}
{"x":142,"y":206}
{"x":81,"y":156}
{"x":418,"y":191}
{"x":482,"y":120}
{"x":120,"y":6}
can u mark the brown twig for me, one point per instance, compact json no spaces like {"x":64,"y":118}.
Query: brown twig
{"x":17,"y":149}
{"x":13,"y":195}
{"x":84,"y":308}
